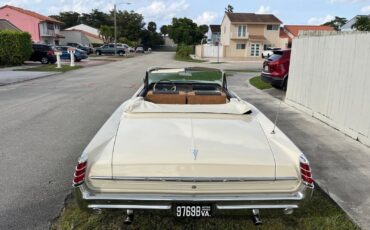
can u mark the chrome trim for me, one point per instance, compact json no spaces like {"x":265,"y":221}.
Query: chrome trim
{"x":269,"y":206}
{"x":194,"y":179}
{"x":150,"y":197}
{"x":129,"y":206}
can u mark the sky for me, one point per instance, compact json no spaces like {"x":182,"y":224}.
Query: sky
{"x":302,"y":12}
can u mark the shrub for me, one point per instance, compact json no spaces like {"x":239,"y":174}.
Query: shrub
{"x":15,"y":47}
{"x":183,"y":51}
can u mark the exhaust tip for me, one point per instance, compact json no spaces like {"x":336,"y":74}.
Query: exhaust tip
{"x":288,"y":211}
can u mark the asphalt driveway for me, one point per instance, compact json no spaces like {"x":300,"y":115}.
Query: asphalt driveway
{"x":341,"y":165}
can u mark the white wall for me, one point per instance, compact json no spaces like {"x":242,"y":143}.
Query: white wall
{"x":213,"y":51}
{"x":329,"y":78}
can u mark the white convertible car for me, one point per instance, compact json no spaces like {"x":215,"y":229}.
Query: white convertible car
{"x":185,"y":142}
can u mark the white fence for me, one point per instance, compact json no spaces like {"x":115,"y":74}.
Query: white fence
{"x":329,"y":78}
{"x":209,"y":51}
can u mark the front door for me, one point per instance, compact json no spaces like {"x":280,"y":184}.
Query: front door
{"x":255,"y":49}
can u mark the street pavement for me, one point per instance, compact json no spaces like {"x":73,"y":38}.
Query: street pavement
{"x":47,"y":122}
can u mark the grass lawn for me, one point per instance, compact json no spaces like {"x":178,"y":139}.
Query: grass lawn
{"x":188,"y":59}
{"x":259,"y":84}
{"x":51,"y":68}
{"x":318,"y":213}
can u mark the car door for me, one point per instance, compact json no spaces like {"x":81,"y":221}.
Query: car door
{"x":65,"y":54}
{"x":35,"y":52}
{"x":111,"y":48}
{"x":104,"y":49}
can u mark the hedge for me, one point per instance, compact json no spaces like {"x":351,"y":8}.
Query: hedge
{"x":15,"y":47}
{"x":183,"y":51}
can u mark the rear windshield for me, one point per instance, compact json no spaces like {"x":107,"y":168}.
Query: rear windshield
{"x":276,"y":56}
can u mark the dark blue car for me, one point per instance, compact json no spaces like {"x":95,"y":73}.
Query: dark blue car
{"x":79,"y":54}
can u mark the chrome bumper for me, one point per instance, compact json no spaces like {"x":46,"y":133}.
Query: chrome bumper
{"x":221,"y":202}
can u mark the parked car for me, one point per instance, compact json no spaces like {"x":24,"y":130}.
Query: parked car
{"x":139,"y":49}
{"x":87,"y":49}
{"x":276,"y":69}
{"x":79,"y":54}
{"x":268,"y":52}
{"x":109,"y":49}
{"x":43,"y":53}
{"x":200,"y":148}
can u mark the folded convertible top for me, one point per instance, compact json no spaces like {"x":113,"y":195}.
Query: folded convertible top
{"x":234,"y":106}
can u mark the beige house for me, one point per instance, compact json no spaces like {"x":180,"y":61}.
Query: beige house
{"x":248,"y":34}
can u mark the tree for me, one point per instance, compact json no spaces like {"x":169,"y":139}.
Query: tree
{"x":129,"y":25}
{"x":185,"y":31}
{"x":68,"y":18}
{"x":152,"y":27}
{"x":362,"y":23}
{"x":164,"y":30}
{"x":107,"y":33}
{"x":229,"y":9}
{"x":337,"y":23}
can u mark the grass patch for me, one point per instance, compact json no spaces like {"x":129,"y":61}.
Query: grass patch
{"x":51,"y":68}
{"x":320,"y":212}
{"x":259,"y":84}
{"x":188,"y":59}
{"x":243,"y":70}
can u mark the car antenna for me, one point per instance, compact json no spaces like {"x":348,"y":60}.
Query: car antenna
{"x":277,"y":117}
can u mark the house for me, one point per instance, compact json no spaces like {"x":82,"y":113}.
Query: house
{"x":247,"y":34}
{"x":350,"y":23}
{"x":6,"y":25}
{"x":288,"y":32}
{"x":80,"y":36}
{"x":43,"y":29}
{"x":214,"y":34}
{"x":86,"y":28}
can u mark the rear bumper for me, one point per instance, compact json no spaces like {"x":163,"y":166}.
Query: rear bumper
{"x":220,"y":202}
{"x":268,"y":78}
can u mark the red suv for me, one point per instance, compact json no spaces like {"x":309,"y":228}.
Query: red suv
{"x":276,"y":69}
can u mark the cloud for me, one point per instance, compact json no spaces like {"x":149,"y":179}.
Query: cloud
{"x":206,"y":18}
{"x":162,"y":10}
{"x":265,"y":10}
{"x":365,"y":9}
{"x":320,"y":21}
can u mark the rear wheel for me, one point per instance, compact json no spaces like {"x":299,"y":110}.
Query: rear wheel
{"x":77,"y":59}
{"x":44,"y":60}
{"x":121,"y":53}
{"x":98,"y":52}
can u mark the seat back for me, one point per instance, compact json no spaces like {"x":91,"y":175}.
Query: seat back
{"x":166,"y":97}
{"x":204,"y":97}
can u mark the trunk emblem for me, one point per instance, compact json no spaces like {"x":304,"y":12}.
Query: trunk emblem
{"x":195,"y":153}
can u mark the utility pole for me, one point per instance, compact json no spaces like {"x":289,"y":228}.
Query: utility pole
{"x":115,"y":25}
{"x":115,"y":30}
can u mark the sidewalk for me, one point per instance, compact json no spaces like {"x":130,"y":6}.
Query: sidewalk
{"x":341,"y":165}
{"x":8,"y":76}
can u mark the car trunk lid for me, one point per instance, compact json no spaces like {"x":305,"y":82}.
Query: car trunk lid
{"x":193,"y":149}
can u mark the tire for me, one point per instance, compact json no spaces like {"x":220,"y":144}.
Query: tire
{"x":121,"y":53}
{"x":262,"y":56}
{"x":98,"y":52}
{"x":77,"y":60}
{"x":44,"y":60}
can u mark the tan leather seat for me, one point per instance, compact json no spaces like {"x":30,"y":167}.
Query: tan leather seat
{"x":166,"y":98}
{"x":204,"y":98}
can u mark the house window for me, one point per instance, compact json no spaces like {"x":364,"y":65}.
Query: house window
{"x":242,"y":30}
{"x":50,"y":26}
{"x":240,"y":46}
{"x":273,"y":27}
{"x":255,"y":49}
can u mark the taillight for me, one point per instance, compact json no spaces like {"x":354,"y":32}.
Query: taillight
{"x":79,"y":176}
{"x":305,"y":169}
{"x":50,"y":52}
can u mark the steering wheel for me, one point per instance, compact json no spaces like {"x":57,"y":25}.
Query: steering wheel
{"x":173,"y":88}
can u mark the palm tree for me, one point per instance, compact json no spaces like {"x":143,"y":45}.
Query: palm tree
{"x":362,"y":23}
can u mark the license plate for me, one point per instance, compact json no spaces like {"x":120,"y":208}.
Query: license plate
{"x":266,"y":68}
{"x":193,"y":210}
